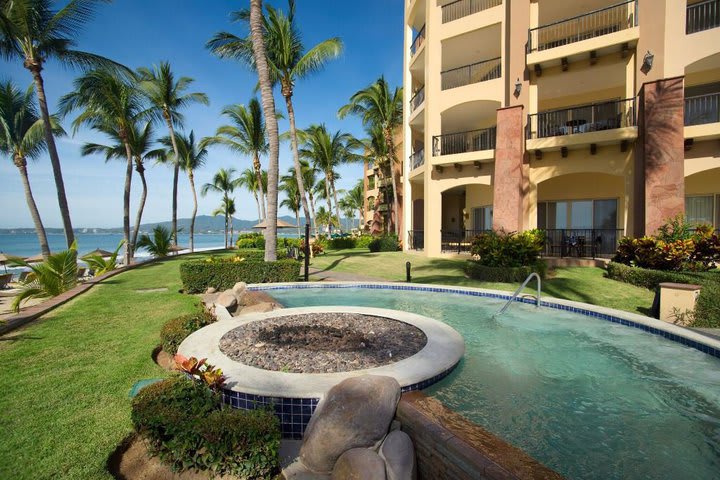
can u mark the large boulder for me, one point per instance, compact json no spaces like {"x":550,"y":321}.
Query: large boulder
{"x":399,"y":454}
{"x":257,"y":308}
{"x":359,"y":464}
{"x":227,"y":299}
{"x":355,"y":413}
{"x":240,"y":292}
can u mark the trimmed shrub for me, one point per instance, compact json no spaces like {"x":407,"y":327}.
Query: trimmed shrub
{"x":174,"y":331}
{"x":502,"y":249}
{"x":363,"y":241}
{"x":198,"y":275}
{"x":707,"y":308}
{"x":341,"y":243}
{"x":250,"y":240}
{"x":477,"y":271}
{"x":385,"y":243}
{"x":188,"y":428}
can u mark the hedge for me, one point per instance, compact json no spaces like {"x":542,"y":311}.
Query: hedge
{"x":341,"y":243}
{"x":174,"y":331}
{"x":188,"y":428}
{"x":198,"y":275}
{"x":477,"y":271}
{"x":385,"y":243}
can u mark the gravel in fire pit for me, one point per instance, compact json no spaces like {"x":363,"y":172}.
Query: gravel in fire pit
{"x":322,"y":342}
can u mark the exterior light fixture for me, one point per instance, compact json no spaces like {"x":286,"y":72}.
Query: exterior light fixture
{"x":647,"y":62}
{"x":518,"y":87}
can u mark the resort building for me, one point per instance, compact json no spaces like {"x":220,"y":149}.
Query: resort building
{"x":378,"y":191}
{"x":590,"y":119}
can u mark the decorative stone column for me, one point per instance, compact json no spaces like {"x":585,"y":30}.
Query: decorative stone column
{"x":662,"y":150}
{"x":510,"y":179}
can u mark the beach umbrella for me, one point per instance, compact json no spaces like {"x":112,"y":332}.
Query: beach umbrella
{"x":35,"y":258}
{"x":280,"y":224}
{"x":176,"y":248}
{"x":3,"y":260}
{"x":98,"y":251}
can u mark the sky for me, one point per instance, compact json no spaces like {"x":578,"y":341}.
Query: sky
{"x":142,"y":33}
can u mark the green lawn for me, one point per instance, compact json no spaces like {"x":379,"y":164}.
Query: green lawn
{"x":581,"y":284}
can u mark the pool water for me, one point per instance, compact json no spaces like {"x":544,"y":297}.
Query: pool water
{"x":587,"y":397}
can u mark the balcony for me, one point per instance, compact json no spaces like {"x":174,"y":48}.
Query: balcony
{"x":702,"y":109}
{"x":417,"y":159}
{"x":463,"y":8}
{"x":474,"y":73}
{"x":417,"y":42}
{"x":702,"y":16}
{"x":464,"y":142}
{"x":417,"y":99}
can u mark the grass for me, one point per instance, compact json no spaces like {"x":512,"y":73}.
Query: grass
{"x":582,"y":284}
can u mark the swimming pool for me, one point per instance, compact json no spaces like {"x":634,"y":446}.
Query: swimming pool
{"x":587,"y":397}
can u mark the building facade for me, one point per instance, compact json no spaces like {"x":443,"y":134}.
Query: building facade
{"x":378,"y":191}
{"x":590,"y":119}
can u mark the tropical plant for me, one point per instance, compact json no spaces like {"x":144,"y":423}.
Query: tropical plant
{"x":288,"y":185}
{"x":22,"y":137}
{"x":55,"y":275}
{"x":354,"y":201}
{"x":109,"y":103}
{"x":101,"y":265}
{"x":246,"y":135}
{"x":168,"y":97}
{"x":376,"y":148}
{"x":326,"y":218}
{"x":308,"y":174}
{"x":227,"y":209}
{"x":159,"y":244}
{"x":248,"y":180}
{"x":224,"y":183}
{"x":192,"y":157}
{"x":33,"y":32}
{"x":377,"y":105}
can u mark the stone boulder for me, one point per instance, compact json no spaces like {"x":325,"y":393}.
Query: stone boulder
{"x":359,"y":464}
{"x":209,"y":299}
{"x":211,"y":290}
{"x":227,"y":299}
{"x":399,"y":454}
{"x":257,"y":308}
{"x":355,"y":413}
{"x":240,"y":291}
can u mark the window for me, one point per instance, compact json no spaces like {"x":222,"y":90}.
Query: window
{"x":482,"y":218}
{"x":703,"y":209}
{"x":371,"y":182}
{"x":577,"y":214}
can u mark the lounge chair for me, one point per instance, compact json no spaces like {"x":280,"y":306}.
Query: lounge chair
{"x":5,"y":279}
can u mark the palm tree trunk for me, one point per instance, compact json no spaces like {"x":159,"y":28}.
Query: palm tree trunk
{"x":21,"y":164}
{"x":268,"y":103}
{"x":126,"y":205}
{"x":337,"y":208}
{"x":261,"y":190}
{"x":35,"y":69}
{"x":176,"y":174}
{"x":393,"y":160}
{"x":287,"y":92}
{"x":297,"y":222}
{"x":191,"y":177}
{"x":232,"y":231}
{"x":312,"y":212}
{"x":329,"y":202}
{"x":226,"y":230}
{"x":140,"y":168}
{"x":257,"y":202}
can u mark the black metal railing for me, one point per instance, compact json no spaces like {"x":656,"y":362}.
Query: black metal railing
{"x":462,"y":142}
{"x":417,"y":99}
{"x":474,"y":73}
{"x":579,"y":242}
{"x":463,"y":8}
{"x":582,"y":27}
{"x":702,"y":16}
{"x":417,"y":159}
{"x":417,"y":41}
{"x":416,"y":239}
{"x":702,"y":109}
{"x":581,"y":119}
{"x":459,"y":241}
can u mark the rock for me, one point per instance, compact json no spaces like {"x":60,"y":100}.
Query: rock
{"x":355,"y":413}
{"x":211,"y":290}
{"x":298,"y":471}
{"x":395,"y":425}
{"x":221,"y":313}
{"x":209,"y":299}
{"x":240,"y":291}
{"x":227,"y":299}
{"x":258,"y":308}
{"x":359,"y":464}
{"x":399,"y":455}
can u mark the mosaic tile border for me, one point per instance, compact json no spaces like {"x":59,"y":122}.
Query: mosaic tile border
{"x":715,"y":352}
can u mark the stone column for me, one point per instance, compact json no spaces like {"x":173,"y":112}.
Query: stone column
{"x":662,"y":150}
{"x":510,"y":179}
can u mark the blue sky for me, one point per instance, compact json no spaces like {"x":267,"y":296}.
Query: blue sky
{"x":140,"y":33}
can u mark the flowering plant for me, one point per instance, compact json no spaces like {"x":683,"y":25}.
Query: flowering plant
{"x":201,"y":370}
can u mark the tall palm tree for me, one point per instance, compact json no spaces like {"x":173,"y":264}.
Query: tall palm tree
{"x":22,"y":136}
{"x":288,"y":185}
{"x":226,"y":208}
{"x":109,"y":103}
{"x":377,"y":105}
{"x":376,"y":148}
{"x":192,"y":157}
{"x":223,"y":182}
{"x":32,"y":32}
{"x":325,"y":217}
{"x":246,"y":136}
{"x":308,"y":173}
{"x":353,"y":201}
{"x":248,"y":180}
{"x":168,"y":97}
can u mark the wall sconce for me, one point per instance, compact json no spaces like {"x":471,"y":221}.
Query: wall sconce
{"x":518,"y":87}
{"x":647,"y":62}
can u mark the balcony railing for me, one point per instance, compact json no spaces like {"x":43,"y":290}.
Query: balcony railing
{"x":581,"y":119}
{"x":463,"y":8}
{"x":702,"y":109}
{"x":416,"y":239}
{"x":474,"y":73}
{"x":417,"y":99}
{"x":702,"y":16}
{"x":462,"y":142}
{"x":582,"y":27}
{"x":459,"y":241}
{"x":417,"y":159}
{"x":589,"y":242}
{"x":417,"y":41}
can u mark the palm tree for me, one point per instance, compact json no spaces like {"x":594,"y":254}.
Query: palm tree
{"x":325,"y":217}
{"x":248,"y":180}
{"x":101,"y":265}
{"x":376,"y":148}
{"x":140,"y":142}
{"x":246,"y":136}
{"x":288,"y":184}
{"x":224,"y":183}
{"x":32,"y":32}
{"x":377,"y":105}
{"x":111,"y":104}
{"x":308,"y":173}
{"x":22,"y":136}
{"x":354,"y":200}
{"x":167,"y":98}
{"x":159,"y":244}
{"x":192,"y":157}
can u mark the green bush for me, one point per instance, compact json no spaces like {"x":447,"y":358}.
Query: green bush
{"x":198,"y":275}
{"x":288,"y":242}
{"x":188,"y":428}
{"x":174,"y":331}
{"x":341,"y":243}
{"x":385,"y":243}
{"x":250,"y":240}
{"x":707,"y":308}
{"x":501,"y":249}
{"x":363,"y":241}
{"x":477,"y":271}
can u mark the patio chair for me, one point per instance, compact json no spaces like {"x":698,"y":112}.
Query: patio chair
{"x":5,"y":279}
{"x":23,"y":277}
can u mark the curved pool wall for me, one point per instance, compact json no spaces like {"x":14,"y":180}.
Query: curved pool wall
{"x":672,"y":332}
{"x":294,"y":396}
